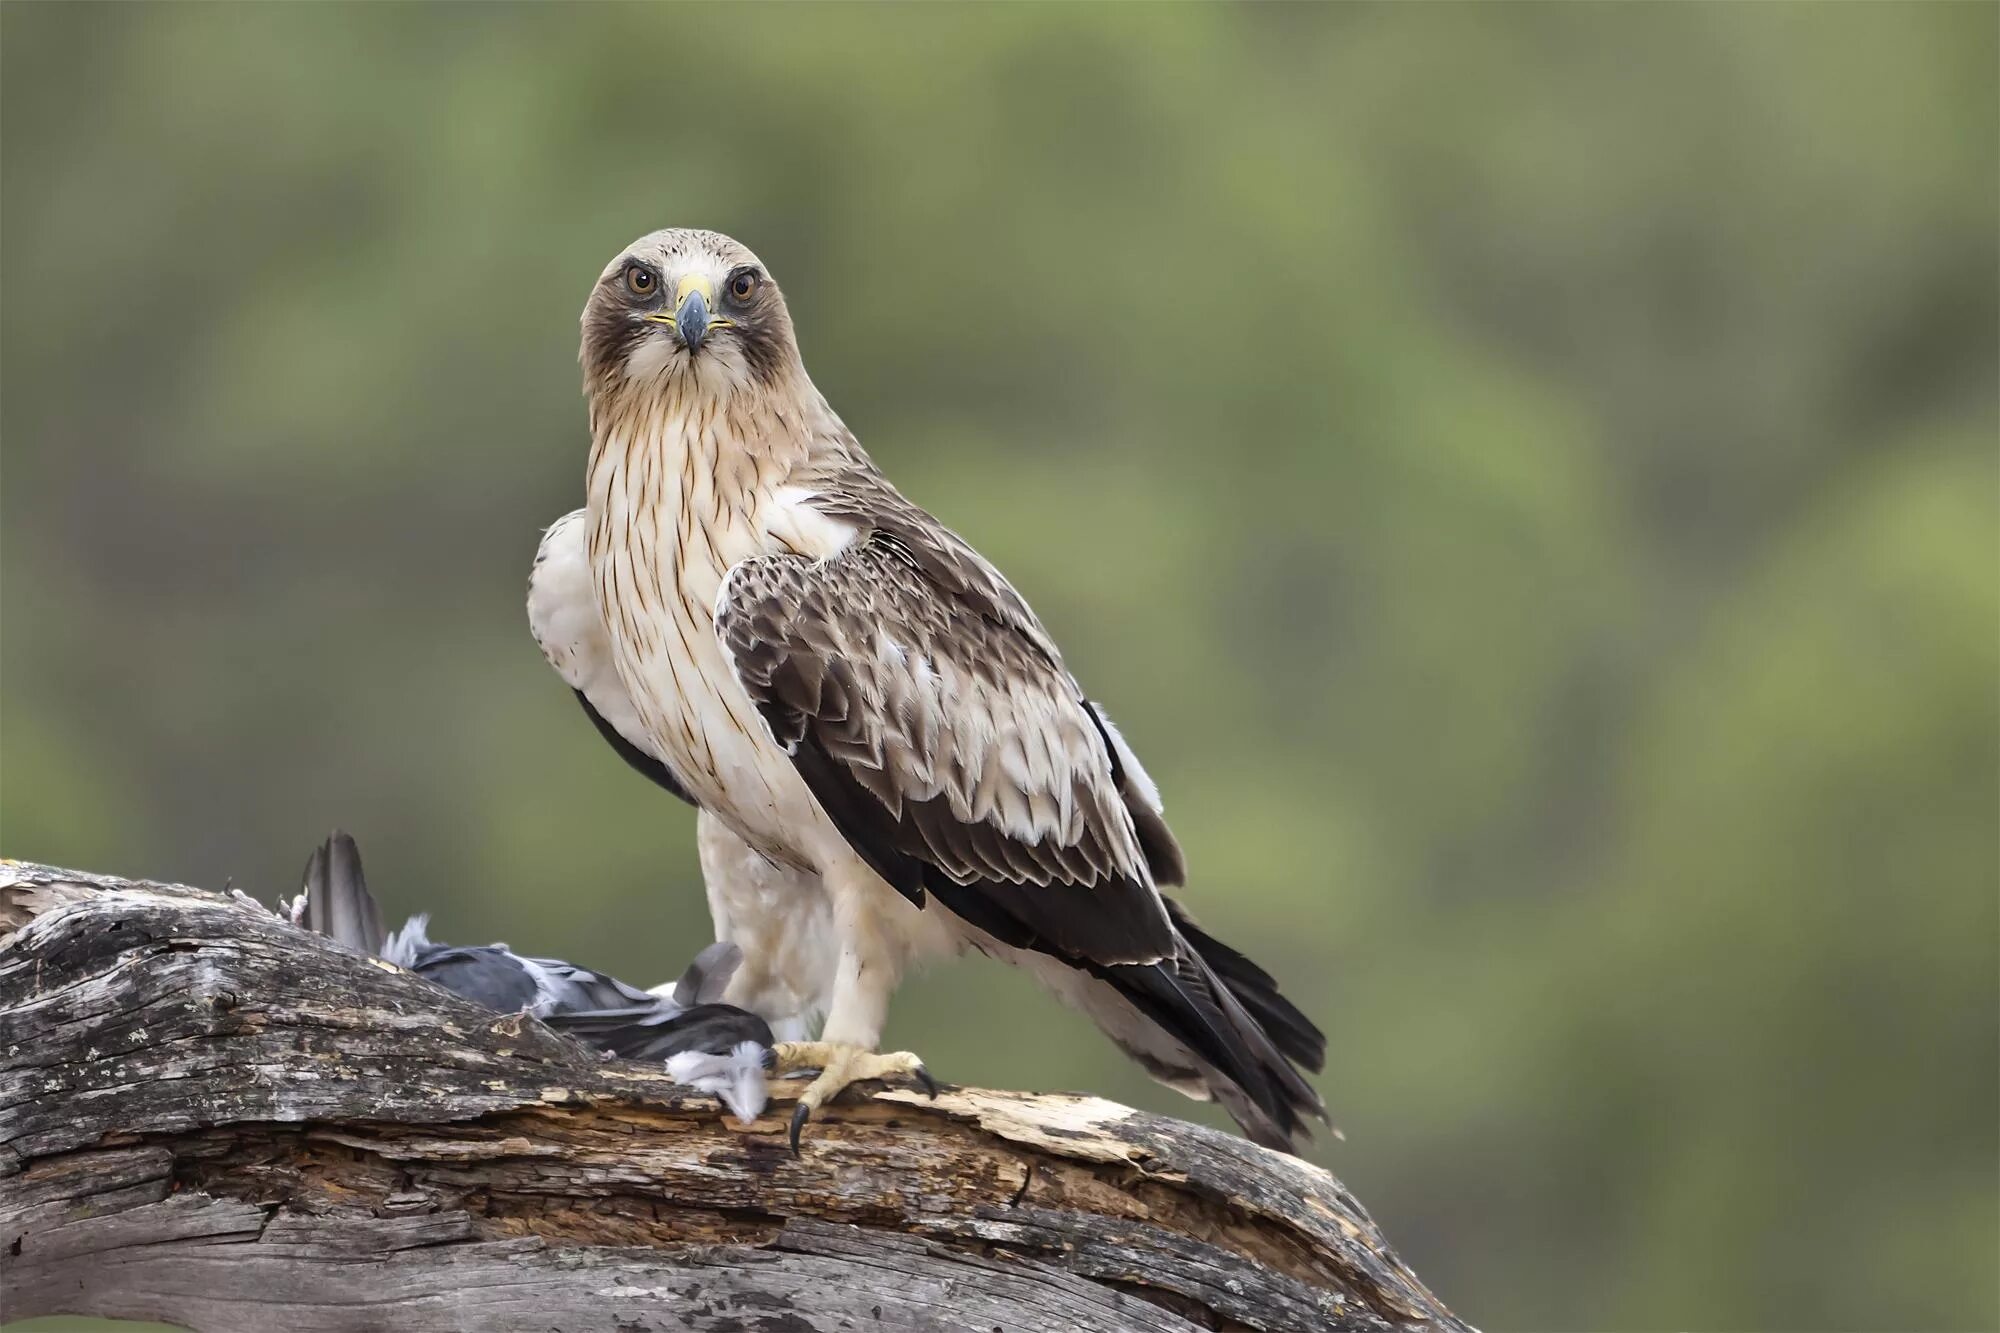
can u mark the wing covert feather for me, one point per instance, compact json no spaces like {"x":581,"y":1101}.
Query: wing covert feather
{"x":939,"y":730}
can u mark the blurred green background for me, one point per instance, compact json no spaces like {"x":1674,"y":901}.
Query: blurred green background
{"x":1524,"y":477}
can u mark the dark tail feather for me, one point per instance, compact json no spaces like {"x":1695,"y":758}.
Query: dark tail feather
{"x":338,"y":904}
{"x":1239,"y":1062}
{"x":1294,"y":1034}
{"x":1212,"y":1024}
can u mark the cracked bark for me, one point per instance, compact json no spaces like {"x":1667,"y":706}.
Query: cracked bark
{"x":211,"y":1118}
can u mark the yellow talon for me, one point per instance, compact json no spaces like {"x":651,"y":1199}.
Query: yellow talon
{"x":839,"y":1065}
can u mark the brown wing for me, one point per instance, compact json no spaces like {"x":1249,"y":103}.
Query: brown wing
{"x":934,"y":722}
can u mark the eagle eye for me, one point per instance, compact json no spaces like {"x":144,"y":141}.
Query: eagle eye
{"x":743,"y":284}
{"x":639,"y":280}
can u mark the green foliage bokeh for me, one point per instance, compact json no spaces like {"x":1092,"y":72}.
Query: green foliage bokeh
{"x":1523,"y":477}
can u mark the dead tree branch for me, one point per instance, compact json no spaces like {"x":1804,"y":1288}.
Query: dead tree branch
{"x":212,"y":1118}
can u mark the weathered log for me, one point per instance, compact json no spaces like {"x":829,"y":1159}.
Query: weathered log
{"x":213,"y":1118}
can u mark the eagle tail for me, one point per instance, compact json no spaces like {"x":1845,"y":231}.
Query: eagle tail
{"x":1256,"y":990}
{"x":1208,"y":1023}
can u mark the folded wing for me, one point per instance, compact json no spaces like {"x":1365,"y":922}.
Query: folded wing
{"x":935,"y":724}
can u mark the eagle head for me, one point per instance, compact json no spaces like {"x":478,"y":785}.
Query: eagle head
{"x":682,"y":309}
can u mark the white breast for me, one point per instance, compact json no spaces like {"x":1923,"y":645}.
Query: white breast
{"x":665,"y":527}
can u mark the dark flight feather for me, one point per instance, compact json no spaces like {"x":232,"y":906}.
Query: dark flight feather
{"x":642,"y":763}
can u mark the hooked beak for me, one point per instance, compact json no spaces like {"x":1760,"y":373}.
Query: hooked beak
{"x":691,"y":318}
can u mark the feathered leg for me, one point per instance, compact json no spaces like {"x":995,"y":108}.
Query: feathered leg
{"x":867,"y":974}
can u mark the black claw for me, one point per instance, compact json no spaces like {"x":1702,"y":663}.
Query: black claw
{"x":930,"y":1084}
{"x":800,"y":1115}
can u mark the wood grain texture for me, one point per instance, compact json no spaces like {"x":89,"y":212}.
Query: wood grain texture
{"x":212,"y":1118}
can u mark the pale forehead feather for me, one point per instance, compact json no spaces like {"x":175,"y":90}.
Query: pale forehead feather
{"x":679,"y":249}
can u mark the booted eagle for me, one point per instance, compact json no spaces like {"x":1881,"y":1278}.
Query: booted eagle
{"x":891,"y":761}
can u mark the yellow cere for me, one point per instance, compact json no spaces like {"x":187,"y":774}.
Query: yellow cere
{"x":695,"y":282}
